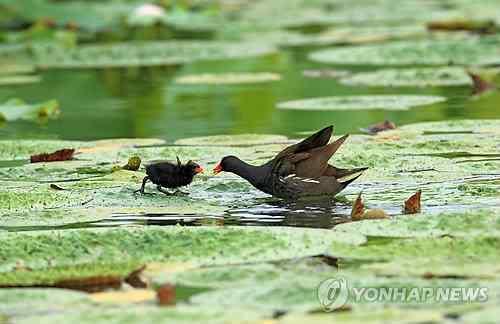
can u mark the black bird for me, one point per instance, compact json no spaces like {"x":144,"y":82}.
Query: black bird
{"x":171,"y":175}
{"x":300,"y":170}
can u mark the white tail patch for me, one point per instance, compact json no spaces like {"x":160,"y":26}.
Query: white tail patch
{"x":349,"y":177}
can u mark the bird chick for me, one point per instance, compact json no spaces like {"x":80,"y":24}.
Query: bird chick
{"x":170,"y":175}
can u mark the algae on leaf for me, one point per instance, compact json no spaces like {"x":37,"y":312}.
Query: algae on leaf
{"x":382,"y":102}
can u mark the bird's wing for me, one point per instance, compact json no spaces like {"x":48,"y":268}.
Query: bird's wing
{"x":317,"y":139}
{"x":317,"y":163}
{"x":294,"y":186}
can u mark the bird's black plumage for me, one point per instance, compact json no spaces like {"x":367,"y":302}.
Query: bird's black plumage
{"x":171,"y":175}
{"x":300,"y":170}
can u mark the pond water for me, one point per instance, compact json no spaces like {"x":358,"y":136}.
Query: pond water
{"x":146,"y":102}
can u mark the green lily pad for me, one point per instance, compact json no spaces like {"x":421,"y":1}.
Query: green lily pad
{"x":465,"y":257}
{"x":143,"y":54}
{"x":472,"y":223}
{"x":383,"y":102}
{"x":424,"y":77}
{"x":47,"y":252}
{"x":228,"y":78}
{"x":19,"y":79}
{"x":478,"y":51}
{"x":233,"y":140}
{"x":15,"y":109}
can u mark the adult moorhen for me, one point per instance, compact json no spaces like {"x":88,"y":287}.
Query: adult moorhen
{"x":165,"y":174}
{"x":300,"y":170}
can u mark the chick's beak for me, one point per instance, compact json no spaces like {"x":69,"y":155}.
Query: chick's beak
{"x":198,"y":169}
{"x":218,"y":169}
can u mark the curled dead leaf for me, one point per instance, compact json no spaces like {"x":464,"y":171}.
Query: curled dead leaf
{"x":412,"y":205}
{"x":480,"y":27}
{"x":134,"y":278}
{"x":379,"y":127}
{"x":133,"y":164}
{"x":479,"y":84}
{"x":166,"y":295}
{"x":358,"y":208}
{"x":60,"y":155}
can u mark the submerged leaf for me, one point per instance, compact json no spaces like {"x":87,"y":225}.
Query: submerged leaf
{"x":60,"y":155}
{"x":412,"y":204}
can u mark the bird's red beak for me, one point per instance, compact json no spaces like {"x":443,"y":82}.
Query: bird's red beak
{"x":198,"y":169}
{"x":218,"y":169}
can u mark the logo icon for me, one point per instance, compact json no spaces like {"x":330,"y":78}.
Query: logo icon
{"x":333,"y":293}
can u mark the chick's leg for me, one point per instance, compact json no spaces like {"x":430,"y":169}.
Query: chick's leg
{"x":146,"y":179}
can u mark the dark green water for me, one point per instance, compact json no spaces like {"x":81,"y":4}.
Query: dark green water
{"x":145,"y":102}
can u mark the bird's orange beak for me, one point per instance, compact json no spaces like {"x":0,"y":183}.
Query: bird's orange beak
{"x":198,"y":169}
{"x":218,"y":169}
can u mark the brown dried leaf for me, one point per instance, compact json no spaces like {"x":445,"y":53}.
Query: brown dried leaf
{"x":166,"y":295}
{"x":480,"y":85}
{"x":358,"y":208}
{"x":481,"y":27}
{"x":412,"y":205}
{"x":60,"y":155}
{"x":134,"y":278}
{"x":91,"y":284}
{"x":379,"y":127}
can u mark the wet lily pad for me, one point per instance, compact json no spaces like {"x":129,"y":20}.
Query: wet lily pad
{"x":15,"y":109}
{"x":143,"y":54}
{"x":423,"y":77}
{"x":433,"y":52}
{"x":228,"y":78}
{"x":45,"y":252}
{"x":383,"y":102}
{"x":473,"y":223}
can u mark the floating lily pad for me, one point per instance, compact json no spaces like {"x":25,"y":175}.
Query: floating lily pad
{"x":15,"y":109}
{"x":466,"y":224}
{"x":228,"y":78}
{"x":423,"y":77}
{"x":43,"y":251}
{"x":382,"y":102}
{"x":143,"y":54}
{"x":438,"y":52}
{"x":233,"y":140}
{"x":19,"y":79}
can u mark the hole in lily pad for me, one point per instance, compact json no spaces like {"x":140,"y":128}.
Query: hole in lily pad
{"x":383,"y":102}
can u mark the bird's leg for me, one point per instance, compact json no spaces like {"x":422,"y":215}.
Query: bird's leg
{"x":181,"y":193}
{"x":160,"y":189}
{"x":146,"y":179}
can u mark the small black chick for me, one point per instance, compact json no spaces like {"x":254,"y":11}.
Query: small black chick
{"x":165,"y":174}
